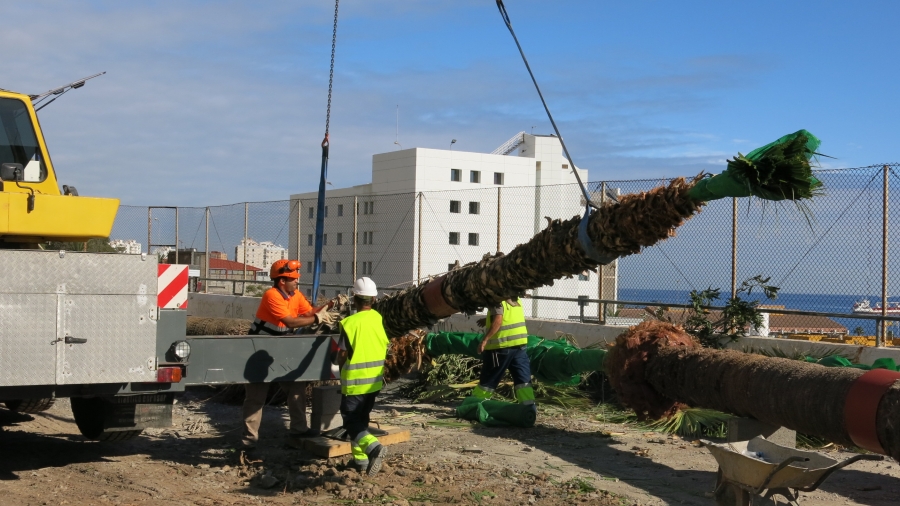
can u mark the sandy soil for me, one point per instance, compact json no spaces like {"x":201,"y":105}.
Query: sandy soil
{"x":566,"y":459}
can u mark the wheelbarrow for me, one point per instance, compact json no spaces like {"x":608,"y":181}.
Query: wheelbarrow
{"x":749,"y":469}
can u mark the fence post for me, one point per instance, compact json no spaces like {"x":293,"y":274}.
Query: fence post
{"x":419,"y":245}
{"x":498,"y":218}
{"x":601,"y":307}
{"x":246,"y":226}
{"x":206,"y":256}
{"x":734,"y":218}
{"x":299,"y":228}
{"x":355,"y":233}
{"x":880,"y":337}
{"x":177,"y":257}
{"x":149,"y":228}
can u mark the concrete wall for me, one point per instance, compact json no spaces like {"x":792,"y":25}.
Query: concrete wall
{"x":222,"y":306}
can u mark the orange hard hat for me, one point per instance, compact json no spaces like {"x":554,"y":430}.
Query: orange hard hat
{"x":285,"y":269}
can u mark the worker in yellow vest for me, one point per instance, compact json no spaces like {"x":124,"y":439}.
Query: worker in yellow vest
{"x":502,"y":348}
{"x":363,"y":348}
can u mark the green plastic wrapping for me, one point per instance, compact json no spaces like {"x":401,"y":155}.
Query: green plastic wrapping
{"x":553,"y":361}
{"x":497,"y":413}
{"x":767,"y":172}
{"x":838,"y":361}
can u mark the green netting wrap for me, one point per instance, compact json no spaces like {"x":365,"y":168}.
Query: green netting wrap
{"x":839,"y":361}
{"x":779,"y":170}
{"x":553,"y":361}
{"x":496,"y":413}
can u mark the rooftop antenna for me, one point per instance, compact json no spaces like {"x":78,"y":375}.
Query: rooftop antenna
{"x":397,"y":135}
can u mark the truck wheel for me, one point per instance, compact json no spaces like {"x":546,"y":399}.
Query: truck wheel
{"x":89,"y":413}
{"x":30,"y":405}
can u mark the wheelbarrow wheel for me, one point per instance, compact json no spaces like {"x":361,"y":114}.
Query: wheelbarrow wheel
{"x":730,"y":494}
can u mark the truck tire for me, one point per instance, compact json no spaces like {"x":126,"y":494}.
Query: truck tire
{"x":30,"y":405}
{"x":88,"y":413}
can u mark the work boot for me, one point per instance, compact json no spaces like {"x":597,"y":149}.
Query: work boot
{"x":360,"y":466}
{"x":376,"y":456}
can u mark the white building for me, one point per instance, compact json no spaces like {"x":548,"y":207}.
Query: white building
{"x":259,"y":254}
{"x":129,"y":246}
{"x":469,"y":204}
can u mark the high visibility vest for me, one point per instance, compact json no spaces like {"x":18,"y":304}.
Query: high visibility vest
{"x":362,"y":373}
{"x":512,"y":328}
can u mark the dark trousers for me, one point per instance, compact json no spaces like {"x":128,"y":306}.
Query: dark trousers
{"x":355,"y":410}
{"x":496,"y":362}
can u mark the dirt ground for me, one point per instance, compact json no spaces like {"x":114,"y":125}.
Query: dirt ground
{"x":568,"y":458}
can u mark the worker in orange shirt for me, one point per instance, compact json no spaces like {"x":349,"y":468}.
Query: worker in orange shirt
{"x":282,"y":309}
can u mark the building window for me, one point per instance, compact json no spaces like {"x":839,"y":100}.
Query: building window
{"x":340,"y":238}
{"x":450,"y":267}
{"x":498,"y":178}
{"x":340,"y":209}
{"x":309,"y":240}
{"x":584,"y":276}
{"x":324,"y":239}
{"x":473,"y":239}
{"x":368,"y":208}
{"x":309,"y":292}
{"x":326,"y":211}
{"x":337,"y":293}
{"x":371,"y":237}
{"x":324,"y":267}
{"x":455,"y":175}
{"x":337,"y":267}
{"x":565,"y":166}
{"x":454,"y":237}
{"x":366,"y":268}
{"x":311,"y":213}
{"x":474,"y":176}
{"x":309,"y":266}
{"x":368,"y":237}
{"x":474,"y":207}
{"x":454,"y":206}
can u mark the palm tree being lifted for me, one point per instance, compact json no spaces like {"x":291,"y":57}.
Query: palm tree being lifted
{"x":654,"y":366}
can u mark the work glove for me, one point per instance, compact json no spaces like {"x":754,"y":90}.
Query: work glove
{"x":323,"y":316}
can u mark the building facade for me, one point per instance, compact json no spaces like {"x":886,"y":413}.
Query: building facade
{"x":130,"y":246}
{"x":427,"y":210}
{"x":259,"y":254}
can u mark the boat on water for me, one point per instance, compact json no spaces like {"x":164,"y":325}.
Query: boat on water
{"x":865,"y":307}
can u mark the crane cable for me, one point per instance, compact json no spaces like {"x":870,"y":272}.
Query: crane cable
{"x":320,"y":205}
{"x":583,"y":237}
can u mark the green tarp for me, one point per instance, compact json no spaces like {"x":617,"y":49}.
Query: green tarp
{"x":553,"y":361}
{"x":496,"y":413}
{"x":838,"y":361}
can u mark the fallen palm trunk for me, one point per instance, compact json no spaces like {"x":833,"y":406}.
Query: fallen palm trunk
{"x":553,"y":361}
{"x":656,"y":365}
{"x":778,"y":171}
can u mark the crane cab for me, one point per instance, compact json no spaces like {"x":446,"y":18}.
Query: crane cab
{"x":32,"y":207}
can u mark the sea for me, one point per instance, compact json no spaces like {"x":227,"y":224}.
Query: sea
{"x":798,"y":301}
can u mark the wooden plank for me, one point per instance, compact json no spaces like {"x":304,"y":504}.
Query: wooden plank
{"x":327,"y":447}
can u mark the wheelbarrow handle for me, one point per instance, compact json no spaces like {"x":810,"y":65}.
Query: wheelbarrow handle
{"x":786,"y":462}
{"x":843,"y":464}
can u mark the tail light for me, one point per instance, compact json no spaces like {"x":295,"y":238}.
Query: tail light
{"x":168,"y":375}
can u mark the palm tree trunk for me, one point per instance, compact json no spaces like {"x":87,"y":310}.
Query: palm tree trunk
{"x":655,"y":365}
{"x":623,"y":228}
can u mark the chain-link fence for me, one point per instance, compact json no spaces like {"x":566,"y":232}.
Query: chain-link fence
{"x":825,"y":255}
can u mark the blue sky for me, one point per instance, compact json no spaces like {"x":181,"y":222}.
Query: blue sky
{"x":209,"y":103}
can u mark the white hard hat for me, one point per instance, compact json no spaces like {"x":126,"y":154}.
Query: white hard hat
{"x":365,"y":287}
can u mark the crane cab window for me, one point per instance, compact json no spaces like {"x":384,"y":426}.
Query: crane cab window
{"x":18,"y":142}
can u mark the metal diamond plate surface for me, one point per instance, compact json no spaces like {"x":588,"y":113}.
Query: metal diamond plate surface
{"x":104,"y":298}
{"x":120,"y":335}
{"x":27,"y":330}
{"x":82,"y":273}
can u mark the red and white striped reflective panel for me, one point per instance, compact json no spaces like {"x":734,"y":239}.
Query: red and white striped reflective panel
{"x":172,"y":286}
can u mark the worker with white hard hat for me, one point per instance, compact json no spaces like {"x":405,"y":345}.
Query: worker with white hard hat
{"x":363,"y":349}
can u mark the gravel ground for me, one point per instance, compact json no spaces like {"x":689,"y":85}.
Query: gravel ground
{"x":568,"y":458}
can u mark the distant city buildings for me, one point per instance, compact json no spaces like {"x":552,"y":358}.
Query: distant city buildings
{"x":129,"y":246}
{"x":259,"y":254}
